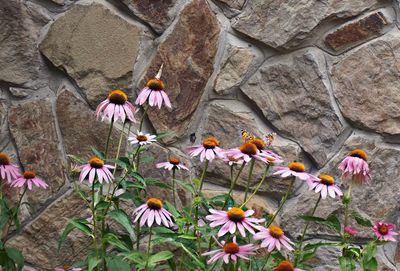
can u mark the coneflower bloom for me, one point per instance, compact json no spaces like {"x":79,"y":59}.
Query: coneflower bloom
{"x":171,"y":164}
{"x":286,"y":266}
{"x":295,"y":169}
{"x":234,"y":219}
{"x":230,"y":251}
{"x":231,"y":160}
{"x":8,"y":171}
{"x":273,"y":237}
{"x":384,"y":231}
{"x":245,"y":153}
{"x":116,"y":107}
{"x":96,"y":169}
{"x":325,"y":185}
{"x":154,"y":92}
{"x":350,"y":231}
{"x":29,"y":178}
{"x":355,"y":166}
{"x":208,"y":150}
{"x":142,"y":139}
{"x":152,"y":211}
{"x":268,"y":154}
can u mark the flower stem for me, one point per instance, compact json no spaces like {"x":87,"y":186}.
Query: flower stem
{"x":203,"y":174}
{"x":137,"y":235}
{"x":283,"y":201}
{"x":148,"y":251}
{"x":173,"y":186}
{"x":196,"y":215}
{"x":257,"y":188}
{"x":108,"y":138}
{"x":266,"y":262}
{"x":346,"y":201}
{"x":233,"y":183}
{"x":298,"y":256}
{"x":142,"y":118}
{"x":249,"y":178}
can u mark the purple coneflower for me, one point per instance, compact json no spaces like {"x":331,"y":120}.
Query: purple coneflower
{"x":171,"y":164}
{"x":29,"y":178}
{"x":8,"y":171}
{"x":116,"y":107}
{"x":142,"y":139}
{"x":286,"y":266}
{"x":208,"y":150}
{"x":273,"y":237}
{"x":384,"y":231}
{"x":96,"y":167}
{"x":325,"y":185}
{"x":153,"y":211}
{"x":355,"y":166}
{"x":295,"y":169}
{"x":234,"y":219}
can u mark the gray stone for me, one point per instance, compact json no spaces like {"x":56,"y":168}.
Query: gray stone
{"x":366,"y":85}
{"x":286,"y":23}
{"x":96,"y":47}
{"x":235,"y":4}
{"x":20,"y":25}
{"x":292,"y":93}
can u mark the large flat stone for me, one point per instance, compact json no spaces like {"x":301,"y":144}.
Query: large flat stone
{"x":96,"y":47}
{"x":33,"y":129}
{"x":292,"y":93}
{"x":20,"y":25}
{"x":365,"y":84}
{"x":38,"y":241}
{"x":286,"y":23}
{"x":188,"y":54}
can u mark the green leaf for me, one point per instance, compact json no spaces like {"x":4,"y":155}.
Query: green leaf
{"x":93,"y":261}
{"x":361,"y":220}
{"x":187,"y":186}
{"x":102,"y":205}
{"x":160,"y":256}
{"x":334,"y":222}
{"x":116,"y":263}
{"x":320,"y":244}
{"x":72,"y":225}
{"x":76,"y":159}
{"x":371,"y":265}
{"x":15,"y":255}
{"x":370,"y":251}
{"x":171,"y":208}
{"x":99,"y":154}
{"x":199,"y":263}
{"x":122,"y":218}
{"x":188,"y":237}
{"x":136,"y":257}
{"x":115,"y":241}
{"x":347,"y":264}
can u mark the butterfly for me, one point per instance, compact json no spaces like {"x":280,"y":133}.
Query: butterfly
{"x":270,"y":138}
{"x":246,"y":136}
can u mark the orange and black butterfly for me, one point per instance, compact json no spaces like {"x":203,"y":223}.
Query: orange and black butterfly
{"x":269,"y":138}
{"x":246,"y":136}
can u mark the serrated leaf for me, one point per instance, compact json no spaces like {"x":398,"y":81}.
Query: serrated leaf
{"x":361,"y":220}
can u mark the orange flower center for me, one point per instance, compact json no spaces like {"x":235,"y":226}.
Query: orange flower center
{"x":174,"y":161}
{"x":261,"y":145}
{"x":4,"y":160}
{"x":360,"y":154}
{"x":231,"y":248}
{"x":141,"y":138}
{"x":29,"y":175}
{"x":383,"y":229}
{"x":236,"y":214}
{"x":284,"y":266}
{"x":296,"y":166}
{"x":155,"y":84}
{"x":117,"y":96}
{"x":210,"y":143}
{"x":96,"y":162}
{"x":154,"y":203}
{"x":248,"y":148}
{"x":275,"y":232}
{"x":326,"y":179}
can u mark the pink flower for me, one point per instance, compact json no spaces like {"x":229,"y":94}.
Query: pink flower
{"x":153,"y":211}
{"x":172,"y":163}
{"x":208,"y":150}
{"x":8,"y":171}
{"x":96,"y":167}
{"x":231,"y":160}
{"x":286,"y":266}
{"x":268,"y":154}
{"x":154,"y":92}
{"x":116,"y":107}
{"x":245,"y":153}
{"x":355,"y":166}
{"x":273,"y":237}
{"x":351,"y":231}
{"x":295,"y":169}
{"x":384,"y":231}
{"x":142,"y":139}
{"x":29,"y":178}
{"x":230,"y":251}
{"x":234,"y":219}
{"x":325,"y":185}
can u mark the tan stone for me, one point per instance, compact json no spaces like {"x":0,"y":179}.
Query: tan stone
{"x":96,"y":47}
{"x":188,"y":54}
{"x":365,"y":84}
{"x":235,"y":4}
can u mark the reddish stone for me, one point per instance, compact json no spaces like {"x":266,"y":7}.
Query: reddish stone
{"x":356,"y":32}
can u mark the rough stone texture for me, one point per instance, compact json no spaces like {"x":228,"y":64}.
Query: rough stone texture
{"x":39,"y":240}
{"x":33,"y":128}
{"x":96,"y":47}
{"x":376,"y":201}
{"x":188,"y":54}
{"x":158,"y":14}
{"x":80,"y":129}
{"x":366,"y":85}
{"x":235,"y":4}
{"x":356,"y":32}
{"x":293,"y":96}
{"x":19,"y":57}
{"x":285,"y":23}
{"x":234,"y":69}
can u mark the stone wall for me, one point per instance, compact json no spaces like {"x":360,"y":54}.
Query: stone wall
{"x":322,"y":74}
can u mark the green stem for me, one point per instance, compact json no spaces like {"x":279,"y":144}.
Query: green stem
{"x":173,"y":186}
{"x":203,"y":174}
{"x":94,"y":222}
{"x":148,"y":251}
{"x":282,"y":202}
{"x":135,"y":156}
{"x":266,"y":262}
{"x":298,"y":256}
{"x":257,"y":188}
{"x":346,"y":210}
{"x":137,"y":235}
{"x":233,"y":183}
{"x":249,"y":178}
{"x":196,"y":215}
{"x":142,"y":118}
{"x":108,"y":138}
